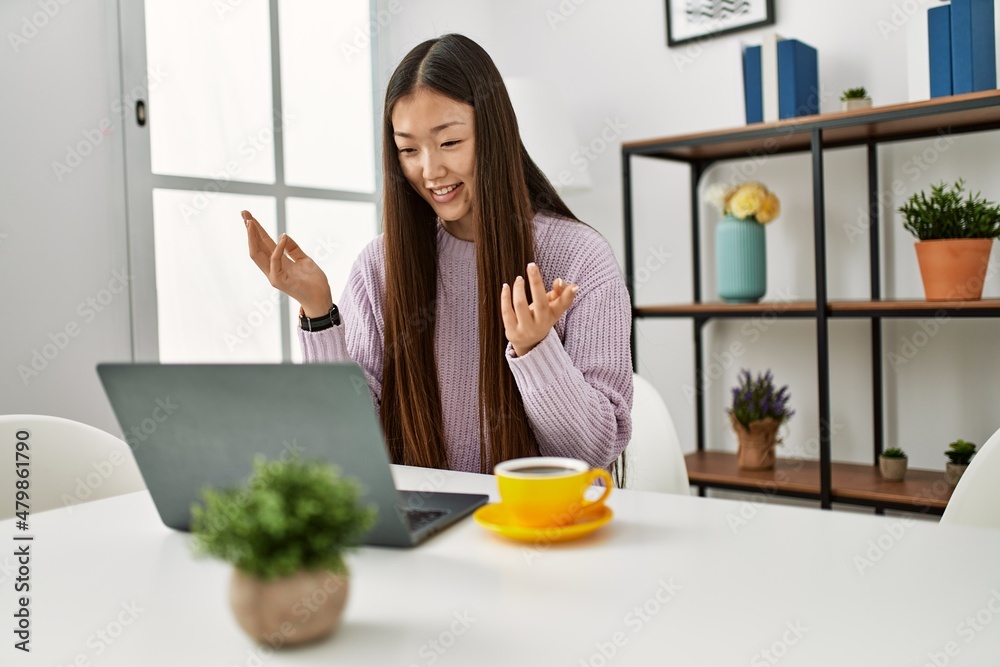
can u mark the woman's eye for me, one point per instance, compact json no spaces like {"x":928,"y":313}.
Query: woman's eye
{"x":404,"y":150}
{"x":451,"y":143}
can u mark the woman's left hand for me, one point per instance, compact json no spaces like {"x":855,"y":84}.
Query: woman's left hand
{"x":525,"y":326}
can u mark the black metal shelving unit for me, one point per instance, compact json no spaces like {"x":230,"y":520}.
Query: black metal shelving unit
{"x":975,"y":112}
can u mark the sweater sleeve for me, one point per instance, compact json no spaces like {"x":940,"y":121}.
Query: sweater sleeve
{"x":577,"y":391}
{"x":358,"y":338}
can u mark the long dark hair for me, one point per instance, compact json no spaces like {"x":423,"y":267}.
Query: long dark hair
{"x":509,"y":189}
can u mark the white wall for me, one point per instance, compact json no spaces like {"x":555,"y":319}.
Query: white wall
{"x":64,"y":231}
{"x":612,"y":64}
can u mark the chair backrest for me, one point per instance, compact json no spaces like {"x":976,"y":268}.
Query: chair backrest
{"x":976,"y":499}
{"x":655,"y":461}
{"x":67,"y":462}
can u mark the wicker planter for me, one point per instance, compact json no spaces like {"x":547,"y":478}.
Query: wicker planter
{"x":756,"y":444}
{"x":892,"y":469}
{"x":304,"y":607}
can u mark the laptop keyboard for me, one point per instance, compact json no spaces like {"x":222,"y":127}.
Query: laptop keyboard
{"x":420,"y":518}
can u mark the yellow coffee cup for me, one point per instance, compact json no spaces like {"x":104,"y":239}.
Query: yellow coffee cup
{"x":542,"y":491}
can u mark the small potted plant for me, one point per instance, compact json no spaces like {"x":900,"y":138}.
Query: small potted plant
{"x":955,"y":237}
{"x":855,"y":98}
{"x":892,"y":464}
{"x":959,"y":455}
{"x":740,"y":249}
{"x":285,"y":532}
{"x":758,"y":410}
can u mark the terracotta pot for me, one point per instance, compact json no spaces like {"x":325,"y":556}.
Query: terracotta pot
{"x":953,"y":269}
{"x":893,"y":469}
{"x":953,"y":472}
{"x":304,"y":607}
{"x":756,"y":444}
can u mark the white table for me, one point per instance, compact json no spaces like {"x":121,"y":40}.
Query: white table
{"x":671,"y":581}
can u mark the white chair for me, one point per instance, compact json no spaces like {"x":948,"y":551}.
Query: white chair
{"x":654,"y":458}
{"x":976,"y":499}
{"x":68,"y":463}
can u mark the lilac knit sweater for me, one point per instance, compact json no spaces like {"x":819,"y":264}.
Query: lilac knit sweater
{"x":576,"y":384}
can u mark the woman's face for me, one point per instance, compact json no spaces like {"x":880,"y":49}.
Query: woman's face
{"x":435,"y":142}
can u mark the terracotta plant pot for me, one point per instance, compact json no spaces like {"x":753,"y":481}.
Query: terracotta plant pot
{"x":953,"y":269}
{"x":953,"y":472}
{"x":756,"y":444}
{"x":304,"y":607}
{"x":892,"y":469}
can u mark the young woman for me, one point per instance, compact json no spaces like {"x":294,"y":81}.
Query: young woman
{"x":465,"y":370}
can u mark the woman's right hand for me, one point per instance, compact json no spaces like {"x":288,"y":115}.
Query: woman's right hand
{"x":295,"y":274}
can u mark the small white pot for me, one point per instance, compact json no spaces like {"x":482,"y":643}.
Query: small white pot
{"x":850,"y":105}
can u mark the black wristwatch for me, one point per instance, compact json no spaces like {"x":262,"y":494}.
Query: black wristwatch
{"x":331,"y":319}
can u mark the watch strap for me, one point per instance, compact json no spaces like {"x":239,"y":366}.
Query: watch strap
{"x":312,"y":324}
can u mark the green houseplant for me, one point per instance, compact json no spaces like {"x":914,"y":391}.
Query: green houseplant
{"x":954,"y":238}
{"x":892,"y":464}
{"x":757,"y":411}
{"x":959,"y":455}
{"x":855,"y":98}
{"x":285,"y":532}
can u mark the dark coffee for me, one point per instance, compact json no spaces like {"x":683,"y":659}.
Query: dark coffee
{"x":544,"y":470}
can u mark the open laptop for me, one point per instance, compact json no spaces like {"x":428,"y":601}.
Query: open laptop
{"x":197,"y":425}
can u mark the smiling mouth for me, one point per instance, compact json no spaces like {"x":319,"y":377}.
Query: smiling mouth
{"x":445,"y":194}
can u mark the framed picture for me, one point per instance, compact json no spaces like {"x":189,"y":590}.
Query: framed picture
{"x":696,"y":20}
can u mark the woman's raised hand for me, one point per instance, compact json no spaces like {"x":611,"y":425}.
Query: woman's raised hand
{"x":289,"y":269}
{"x":525,"y":326}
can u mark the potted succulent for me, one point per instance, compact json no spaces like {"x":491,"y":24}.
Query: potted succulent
{"x":757,"y":412}
{"x":959,"y":454}
{"x":740,"y":249}
{"x":855,"y":98}
{"x":955,"y":237}
{"x":892,"y":464}
{"x":285,"y":532}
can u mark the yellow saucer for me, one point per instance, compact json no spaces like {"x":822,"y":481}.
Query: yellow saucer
{"x":495,"y":517}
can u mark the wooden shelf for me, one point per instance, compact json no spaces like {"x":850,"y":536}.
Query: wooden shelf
{"x":842,"y":309}
{"x":914,"y":308}
{"x":922,"y":491}
{"x":944,"y":115}
{"x":720,"y":309}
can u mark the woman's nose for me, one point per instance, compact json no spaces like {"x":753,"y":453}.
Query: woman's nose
{"x":433,"y":168}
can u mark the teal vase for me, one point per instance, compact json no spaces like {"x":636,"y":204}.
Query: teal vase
{"x":741,"y":260}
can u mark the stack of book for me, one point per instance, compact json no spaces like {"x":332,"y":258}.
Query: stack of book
{"x":780,"y":79}
{"x":961,"y":44}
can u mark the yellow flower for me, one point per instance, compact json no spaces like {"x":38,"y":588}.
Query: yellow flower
{"x":747,"y":200}
{"x":769,"y":209}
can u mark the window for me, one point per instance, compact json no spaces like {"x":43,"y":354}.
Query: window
{"x":258,"y":105}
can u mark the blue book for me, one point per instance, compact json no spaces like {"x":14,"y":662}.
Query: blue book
{"x":752,"y":84}
{"x":973,"y":46}
{"x":939,"y":49}
{"x":798,"y":79}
